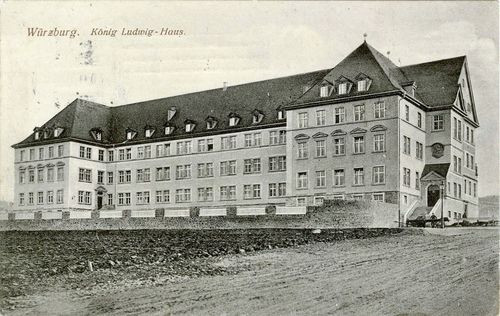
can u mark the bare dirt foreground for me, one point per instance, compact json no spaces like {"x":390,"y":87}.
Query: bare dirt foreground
{"x":450,"y":272}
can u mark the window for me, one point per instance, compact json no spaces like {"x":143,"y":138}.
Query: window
{"x":82,"y":152}
{"x":362,"y":85}
{"x":277,"y":137}
{"x":343,"y":88}
{"x":50,"y":197}
{"x":228,"y":142}
{"x":88,"y":153}
{"x":30,"y":198}
{"x":163,"y":196}
{"x":406,"y":177}
{"x":302,"y":151}
{"x":338,"y":177}
{"x":227,"y":193}
{"x":417,"y":180}
{"x":124,"y":176}
{"x":128,"y":153}
{"x":169,"y":130}
{"x":51,"y":151}
{"x":379,"y":110}
{"x":110,"y":199}
{"x":140,"y":152}
{"x":321,"y":179}
{"x":359,"y":113}
{"x":183,"y":172}
{"x":320,"y":148}
{"x":84,"y":175}
{"x":459,"y":132}
{"x":40,"y":198}
{"x":471,"y":136}
{"x":60,"y":150}
{"x":475,"y":189}
{"x":162,"y":173}
{"x":205,"y":170}
{"x":40,"y":175}
{"x":320,"y":117}
{"x":205,"y":194}
{"x":339,"y":146}
{"x":111,"y":155}
{"x":277,"y":189}
{"x":378,"y":197}
{"x":281,"y":115}
{"x":455,"y":163}
{"x":407,"y":113}
{"x":420,"y":150}
{"x":32,"y":154}
{"x":257,"y":117}
{"x":277,"y":163}
{"x":406,"y":145}
{"x":21,"y":198}
{"x":301,"y":201}
{"x":130,"y":135}
{"x":21,"y":155}
{"x":60,"y":196}
{"x":323,"y":91}
{"x":339,"y":115}
{"x":379,"y":142}
{"x":252,"y":140}
{"x":41,"y":152}
{"x":124,"y":198}
{"x":31,"y":176}
{"x":100,"y":176}
{"x":459,"y":165}
{"x":205,"y":145}
{"x":60,"y":174}
{"x":252,"y":165}
{"x":303,"y":120}
{"x":162,"y":150}
{"x":233,"y":121}
{"x":22,"y":176}
{"x":147,"y":152}
{"x":302,"y":180}
{"x":184,"y":147}
{"x":111,"y":177}
{"x":84,"y":197}
{"x":359,"y":144}
{"x":100,"y":155}
{"x":359,"y":176}
{"x":149,"y":132}
{"x":438,"y":122}
{"x":251,"y":191}
{"x":37,"y":135}
{"x":419,"y":120}
{"x":228,"y":168}
{"x":144,"y":175}
{"x":142,"y":198}
{"x":378,"y":175}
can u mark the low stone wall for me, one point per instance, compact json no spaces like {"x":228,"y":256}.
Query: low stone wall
{"x":333,"y":214}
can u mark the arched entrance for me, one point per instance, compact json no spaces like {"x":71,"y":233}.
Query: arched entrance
{"x":100,"y":197}
{"x":432,"y":195}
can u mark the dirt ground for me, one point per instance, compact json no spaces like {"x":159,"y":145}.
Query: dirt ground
{"x":450,"y":272}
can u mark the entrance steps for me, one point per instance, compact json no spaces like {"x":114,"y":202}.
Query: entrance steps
{"x":420,"y":211}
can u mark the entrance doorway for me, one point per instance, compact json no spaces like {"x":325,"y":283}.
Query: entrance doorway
{"x":432,"y":195}
{"x":99,"y":200}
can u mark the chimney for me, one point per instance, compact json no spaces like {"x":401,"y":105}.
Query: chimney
{"x":224,"y":86}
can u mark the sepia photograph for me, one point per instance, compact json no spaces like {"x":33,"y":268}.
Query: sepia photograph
{"x":249,"y":158}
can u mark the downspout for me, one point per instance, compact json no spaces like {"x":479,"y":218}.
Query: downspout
{"x":399,"y":160}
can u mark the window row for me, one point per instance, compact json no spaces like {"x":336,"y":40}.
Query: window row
{"x":419,"y":148}
{"x":43,"y":152}
{"x":469,"y":188}
{"x":339,"y":177}
{"x":41,"y":197}
{"x":52,"y":174}
{"x":339,"y":146}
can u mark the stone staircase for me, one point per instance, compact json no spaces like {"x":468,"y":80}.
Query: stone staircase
{"x":420,"y":211}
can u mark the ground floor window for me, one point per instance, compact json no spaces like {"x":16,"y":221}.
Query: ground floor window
{"x":318,"y":200}
{"x":338,"y":197}
{"x":357,"y":196}
{"x":301,"y":201}
{"x":379,"y":197}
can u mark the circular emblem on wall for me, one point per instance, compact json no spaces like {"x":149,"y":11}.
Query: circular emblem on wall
{"x":437,"y":150}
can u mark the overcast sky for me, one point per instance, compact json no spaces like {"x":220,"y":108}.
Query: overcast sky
{"x":233,"y":42}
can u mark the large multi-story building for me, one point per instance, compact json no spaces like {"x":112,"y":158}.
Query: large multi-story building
{"x":365,"y":129}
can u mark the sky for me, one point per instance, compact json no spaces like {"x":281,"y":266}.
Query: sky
{"x":234,"y":42}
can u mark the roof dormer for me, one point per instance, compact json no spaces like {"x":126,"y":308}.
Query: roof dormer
{"x":96,"y":133}
{"x":148,"y":131}
{"x":211,"y":122}
{"x":281,"y":114}
{"x":171,"y":113}
{"x":325,"y":89}
{"x":169,"y":129}
{"x":257,"y":116}
{"x":343,"y":85}
{"x":130,"y":133}
{"x":37,"y":133}
{"x":409,"y":87}
{"x":234,"y":119}
{"x":58,"y":131}
{"x":363,"y":82}
{"x":189,"y":125}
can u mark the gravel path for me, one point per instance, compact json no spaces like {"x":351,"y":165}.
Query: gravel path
{"x":451,"y":273}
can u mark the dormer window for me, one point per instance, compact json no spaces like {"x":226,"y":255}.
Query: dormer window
{"x":169,"y":130}
{"x":37,"y":135}
{"x":58,"y":131}
{"x":96,"y":134}
{"x":257,"y":117}
{"x":281,"y":115}
{"x":190,"y":125}
{"x":362,"y":85}
{"x":46,"y":133}
{"x":234,"y":119}
{"x":343,"y":85}
{"x":323,"y":91}
{"x":363,"y":82}
{"x":343,"y":88}
{"x":131,"y":134}
{"x":171,"y":113}
{"x":211,"y":122}
{"x":148,"y":131}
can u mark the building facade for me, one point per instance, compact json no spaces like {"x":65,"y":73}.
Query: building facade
{"x":365,"y":129}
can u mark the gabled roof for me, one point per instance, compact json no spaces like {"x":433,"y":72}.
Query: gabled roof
{"x":439,"y":168}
